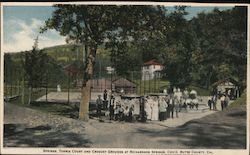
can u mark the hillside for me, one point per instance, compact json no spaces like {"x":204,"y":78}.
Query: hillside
{"x":61,"y":55}
{"x":65,"y":53}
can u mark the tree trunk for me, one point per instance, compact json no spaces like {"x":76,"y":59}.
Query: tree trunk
{"x":30,"y":94}
{"x":208,"y":80}
{"x":84,"y":103}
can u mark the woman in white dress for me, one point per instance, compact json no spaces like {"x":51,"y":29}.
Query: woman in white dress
{"x":155,"y":110}
{"x":148,"y":108}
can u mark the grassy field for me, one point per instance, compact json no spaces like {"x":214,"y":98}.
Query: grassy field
{"x":150,"y":86}
{"x":53,"y":108}
{"x":200,"y":91}
{"x":156,"y":86}
{"x":240,"y":101}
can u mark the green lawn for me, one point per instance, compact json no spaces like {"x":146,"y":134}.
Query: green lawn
{"x":240,"y":101}
{"x":156,"y":86}
{"x":150,"y":86}
{"x":200,"y":91}
{"x":53,"y":108}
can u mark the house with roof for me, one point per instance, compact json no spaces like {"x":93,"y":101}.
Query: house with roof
{"x":150,"y":69}
{"x":71,"y":70}
{"x":124,"y":84}
{"x":99,"y":85}
{"x":117,"y":84}
{"x":227,"y":86}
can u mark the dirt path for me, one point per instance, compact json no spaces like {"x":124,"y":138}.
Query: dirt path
{"x":31,"y":128}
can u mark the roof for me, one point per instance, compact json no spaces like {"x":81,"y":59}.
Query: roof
{"x":122,"y":82}
{"x":71,"y":68}
{"x":152,"y":62}
{"x":223,"y":81}
{"x":100,"y":82}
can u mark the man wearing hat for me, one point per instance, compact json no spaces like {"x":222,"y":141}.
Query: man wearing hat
{"x":105,"y":98}
{"x":99,"y":106}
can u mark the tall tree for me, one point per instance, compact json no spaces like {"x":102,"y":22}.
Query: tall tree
{"x":180,"y":42}
{"x":97,"y":25}
{"x":221,"y":38}
{"x":35,"y":67}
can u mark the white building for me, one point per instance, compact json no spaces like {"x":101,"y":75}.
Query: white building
{"x":150,"y":69}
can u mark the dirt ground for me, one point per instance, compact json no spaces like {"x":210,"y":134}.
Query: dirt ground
{"x":25,"y":127}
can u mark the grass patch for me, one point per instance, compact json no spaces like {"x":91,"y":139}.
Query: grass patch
{"x":240,"y":101}
{"x":61,"y":109}
{"x":200,"y":91}
{"x":150,"y":86}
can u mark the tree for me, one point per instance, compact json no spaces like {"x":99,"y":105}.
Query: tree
{"x":221,"y":38}
{"x":8,"y":63}
{"x":35,"y":62}
{"x":179,"y":45}
{"x":96,"y":25}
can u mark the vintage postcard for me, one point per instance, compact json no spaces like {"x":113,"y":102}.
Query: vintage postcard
{"x":124,"y":78}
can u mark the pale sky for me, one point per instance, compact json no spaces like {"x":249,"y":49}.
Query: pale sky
{"x":21,"y":26}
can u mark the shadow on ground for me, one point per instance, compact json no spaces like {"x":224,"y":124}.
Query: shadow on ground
{"x":222,"y":130}
{"x":18,"y":135}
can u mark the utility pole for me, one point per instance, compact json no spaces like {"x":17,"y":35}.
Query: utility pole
{"x":11,"y":82}
{"x":23,"y":88}
{"x":140,"y":82}
{"x":144,"y":76}
{"x":149,"y":83}
{"x":159,"y":78}
{"x":154,"y":82}
{"x":132,"y":81}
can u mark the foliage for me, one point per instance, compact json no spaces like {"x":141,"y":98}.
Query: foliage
{"x":242,"y":100}
{"x":221,"y":38}
{"x":151,"y":86}
{"x":97,"y":25}
{"x":35,"y":67}
{"x":201,"y":51}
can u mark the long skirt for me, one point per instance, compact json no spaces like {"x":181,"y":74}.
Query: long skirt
{"x":161,"y":116}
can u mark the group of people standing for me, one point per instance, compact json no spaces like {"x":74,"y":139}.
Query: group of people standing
{"x":163,"y":107}
{"x":224,"y":101}
{"x":114,"y":108}
{"x":168,"y":106}
{"x":154,"y":107}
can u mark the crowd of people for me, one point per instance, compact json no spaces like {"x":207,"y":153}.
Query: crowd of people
{"x":116,"y":108}
{"x":223,"y":99}
{"x":154,"y":107}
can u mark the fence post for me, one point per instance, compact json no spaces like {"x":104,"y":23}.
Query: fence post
{"x":23,"y":89}
{"x":68,"y":86}
{"x":10,"y":83}
{"x":46,"y":89}
{"x":149,"y":88}
{"x":140,"y":83}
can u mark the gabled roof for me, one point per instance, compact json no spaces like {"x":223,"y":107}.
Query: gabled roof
{"x":224,"y":80}
{"x":123,"y":82}
{"x":152,"y":62}
{"x":71,"y":68}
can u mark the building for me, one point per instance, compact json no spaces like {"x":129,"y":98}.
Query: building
{"x":99,"y":85}
{"x":150,"y":69}
{"x":124,"y":84}
{"x":71,"y":70}
{"x":227,"y":86}
{"x":118,"y":84}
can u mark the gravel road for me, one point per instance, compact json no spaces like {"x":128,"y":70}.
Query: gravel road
{"x":25,"y":127}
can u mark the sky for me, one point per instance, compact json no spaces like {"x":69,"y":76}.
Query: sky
{"x":21,"y":26}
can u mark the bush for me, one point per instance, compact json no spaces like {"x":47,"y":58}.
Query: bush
{"x":240,"y":101}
